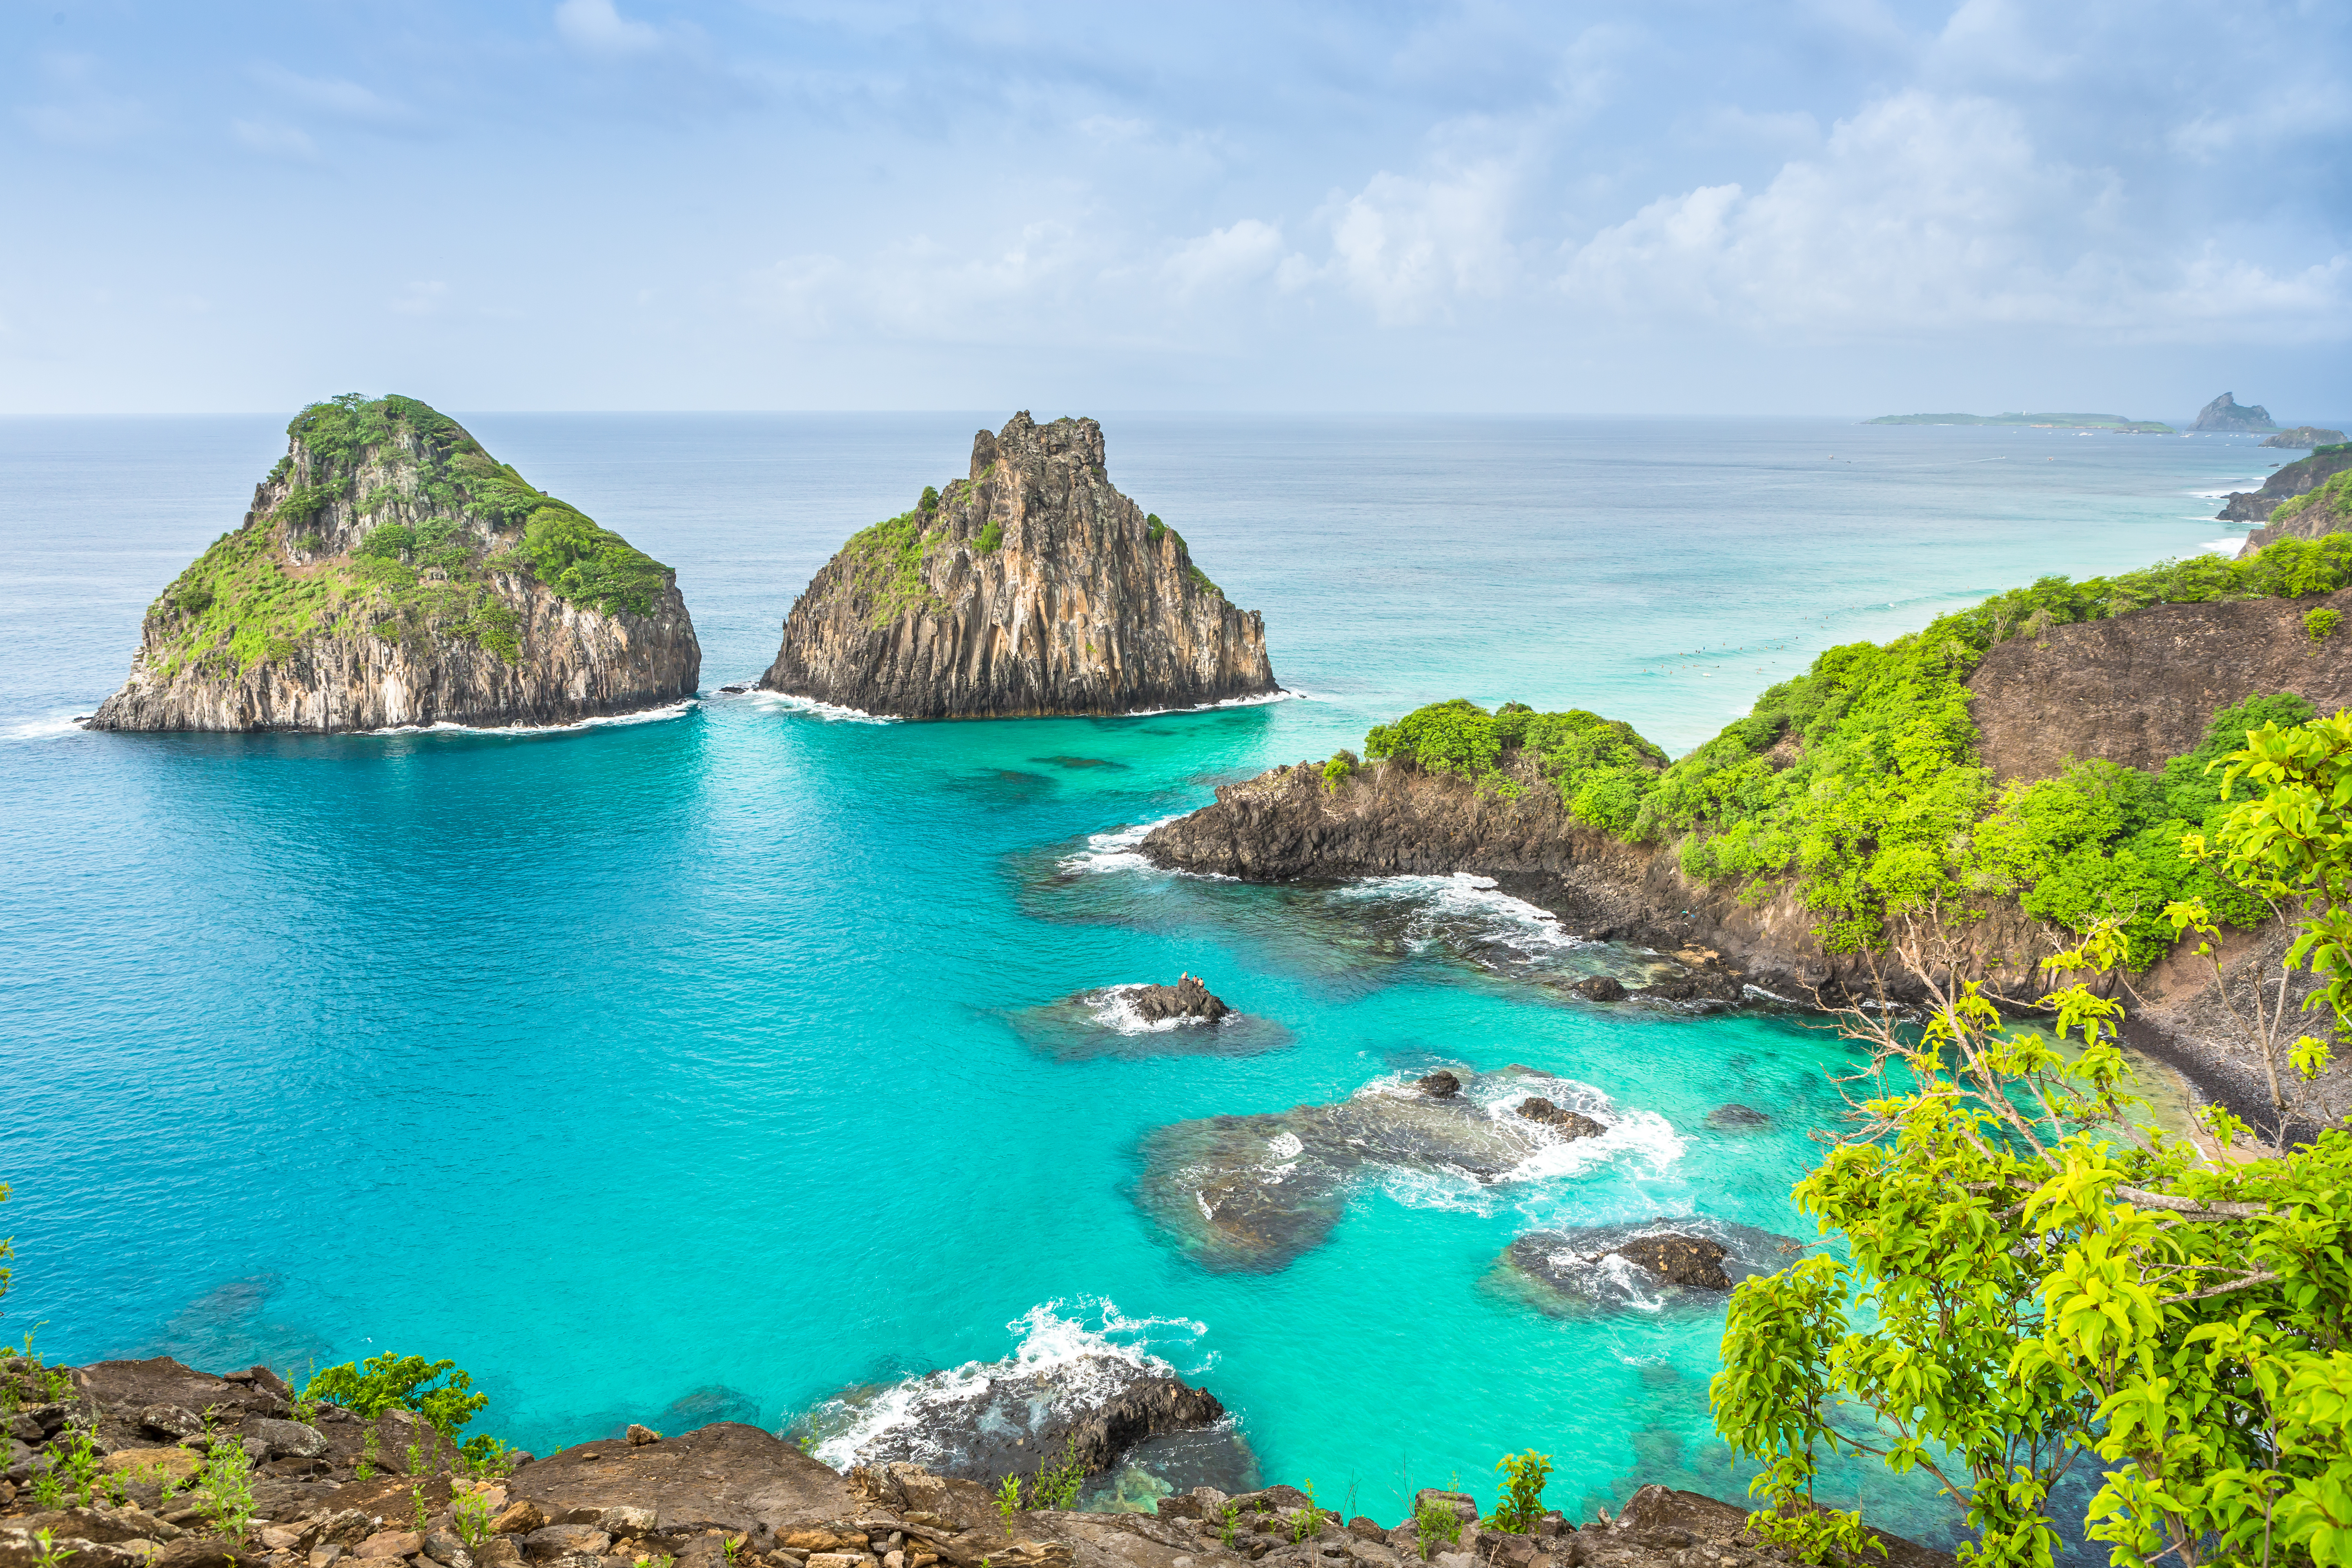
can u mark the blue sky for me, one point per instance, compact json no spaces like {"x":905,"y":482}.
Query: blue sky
{"x":1844,"y":206}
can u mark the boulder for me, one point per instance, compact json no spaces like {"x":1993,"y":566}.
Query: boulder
{"x":286,"y":1439}
{"x":1440,"y":1085}
{"x":1688,"y":1260}
{"x":1560,"y":1119}
{"x":1188,"y":998}
{"x":1599,"y":988}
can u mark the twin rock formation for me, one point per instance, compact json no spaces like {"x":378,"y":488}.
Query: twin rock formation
{"x":392,"y":573}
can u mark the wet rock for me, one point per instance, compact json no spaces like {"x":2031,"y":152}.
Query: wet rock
{"x":1252,"y":1192}
{"x":1440,"y":1085}
{"x":1665,"y":1263}
{"x":1737,"y":1118}
{"x":1599,"y":988}
{"x":1568,"y":1124}
{"x":1188,"y":998}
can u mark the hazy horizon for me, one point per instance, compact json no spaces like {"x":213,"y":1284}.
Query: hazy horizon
{"x":784,"y":206}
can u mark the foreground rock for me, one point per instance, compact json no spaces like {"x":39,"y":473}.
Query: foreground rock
{"x":1251,"y":1193}
{"x":1189,"y":998}
{"x":2285,"y":483}
{"x":1642,"y":1268}
{"x":982,"y":1421}
{"x":1030,"y":587}
{"x":724,"y":1496}
{"x":392,"y":573}
{"x":2305,"y":436}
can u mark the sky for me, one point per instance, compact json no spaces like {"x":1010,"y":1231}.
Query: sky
{"x":1838,"y":206}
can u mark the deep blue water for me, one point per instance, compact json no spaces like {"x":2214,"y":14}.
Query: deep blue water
{"x":640,"y":1058}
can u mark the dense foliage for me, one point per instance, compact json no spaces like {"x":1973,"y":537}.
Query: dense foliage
{"x":452,"y":519}
{"x":2033,"y":1287}
{"x":1856,"y":785}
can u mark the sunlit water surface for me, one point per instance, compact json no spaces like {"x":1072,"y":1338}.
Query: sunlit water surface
{"x":720,"y":1055}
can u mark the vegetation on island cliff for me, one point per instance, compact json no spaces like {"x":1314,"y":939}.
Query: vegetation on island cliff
{"x":448,"y":519}
{"x":1857,"y":784}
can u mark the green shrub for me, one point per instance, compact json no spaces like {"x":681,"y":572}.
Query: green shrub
{"x":1153,"y":528}
{"x":992,"y":534}
{"x":388,"y":542}
{"x":930,"y":500}
{"x":1339,"y":769}
{"x":384,"y":1383}
{"x":1521,"y":1505}
{"x":193,"y":598}
{"x":2321,"y":624}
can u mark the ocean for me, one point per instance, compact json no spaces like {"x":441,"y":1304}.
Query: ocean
{"x":741,"y":1056}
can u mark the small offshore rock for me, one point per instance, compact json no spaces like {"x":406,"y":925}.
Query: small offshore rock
{"x":1568,"y":1124}
{"x":1599,"y":988}
{"x":1188,"y":998}
{"x":1440,"y":1085}
{"x":1690,"y":1260}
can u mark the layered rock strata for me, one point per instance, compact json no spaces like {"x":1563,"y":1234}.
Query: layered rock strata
{"x":1030,"y":586}
{"x":723,"y":1495}
{"x":391,"y":572}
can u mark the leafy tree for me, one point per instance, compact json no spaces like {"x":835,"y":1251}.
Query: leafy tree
{"x":405,"y":1383}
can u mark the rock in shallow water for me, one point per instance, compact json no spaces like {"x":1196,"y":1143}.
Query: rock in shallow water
{"x":1253,"y":1193}
{"x":1737,"y":1118}
{"x":1566,"y":1123}
{"x":1644,"y":1268}
{"x":1188,"y":998}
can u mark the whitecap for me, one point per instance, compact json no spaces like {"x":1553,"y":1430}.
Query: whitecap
{"x":1259,"y":700}
{"x":1515,"y":922}
{"x":48,"y":729}
{"x":1113,"y":849}
{"x":832,"y":711}
{"x":2223,"y":546}
{"x":1067,"y":1357}
{"x":677,"y":710}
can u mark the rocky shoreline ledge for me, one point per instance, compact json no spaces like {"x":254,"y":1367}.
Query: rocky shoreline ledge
{"x":152,"y":1464}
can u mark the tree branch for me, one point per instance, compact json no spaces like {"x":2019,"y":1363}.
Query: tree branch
{"x":2247,"y":1283}
{"x":2193,"y":1208}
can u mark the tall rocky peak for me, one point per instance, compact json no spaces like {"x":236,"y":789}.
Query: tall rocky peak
{"x":2226,"y":413}
{"x":392,"y":571}
{"x":1030,"y":586}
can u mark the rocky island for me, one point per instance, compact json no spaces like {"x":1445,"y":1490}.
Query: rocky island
{"x":392,"y":573}
{"x":2305,"y":436}
{"x":1030,"y":587}
{"x":2226,"y":413}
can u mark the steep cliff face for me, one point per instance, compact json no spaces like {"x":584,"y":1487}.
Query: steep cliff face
{"x":391,"y":572}
{"x":2300,"y":478}
{"x":1030,"y":587}
{"x":2140,"y":689}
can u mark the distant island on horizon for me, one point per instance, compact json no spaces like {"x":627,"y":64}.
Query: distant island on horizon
{"x":2036,"y":421}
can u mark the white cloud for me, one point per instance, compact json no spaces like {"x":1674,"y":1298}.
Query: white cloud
{"x":273,"y":140}
{"x":1408,"y":246}
{"x":1929,"y":214}
{"x":594,"y":26}
{"x":331,"y":95}
{"x":1223,"y":258}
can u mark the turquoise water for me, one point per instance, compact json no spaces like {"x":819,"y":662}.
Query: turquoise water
{"x":703,"y":1052}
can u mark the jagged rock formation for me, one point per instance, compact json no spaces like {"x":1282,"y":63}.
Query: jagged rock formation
{"x":1031,"y":588}
{"x":2307,"y":437}
{"x":391,"y":572}
{"x":2226,"y":413}
{"x":2295,"y":479}
{"x":1189,"y":998}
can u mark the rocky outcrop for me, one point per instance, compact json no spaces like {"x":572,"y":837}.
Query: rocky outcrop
{"x":391,"y":572}
{"x":2138,"y":690}
{"x":1030,"y":587}
{"x":2305,"y":436}
{"x":1189,"y":998}
{"x":1684,"y":1262}
{"x":2226,"y":413}
{"x":723,"y":1495}
{"x":2315,"y":514}
{"x":1560,"y":1119}
{"x":2293,"y":479}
